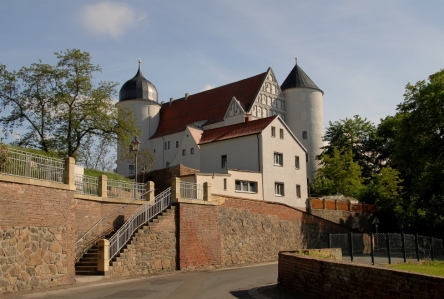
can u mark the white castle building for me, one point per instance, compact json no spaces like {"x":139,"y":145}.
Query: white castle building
{"x":251,"y":138}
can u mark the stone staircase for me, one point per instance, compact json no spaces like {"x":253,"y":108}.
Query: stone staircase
{"x":87,"y":265}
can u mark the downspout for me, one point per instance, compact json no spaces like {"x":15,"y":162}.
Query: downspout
{"x":259,"y":164}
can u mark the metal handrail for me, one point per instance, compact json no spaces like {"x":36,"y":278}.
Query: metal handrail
{"x":139,"y":217}
{"x":191,"y":190}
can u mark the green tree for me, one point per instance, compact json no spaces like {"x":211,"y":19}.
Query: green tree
{"x":339,"y":174}
{"x":357,"y":135}
{"x":419,"y":150}
{"x":61,"y":106}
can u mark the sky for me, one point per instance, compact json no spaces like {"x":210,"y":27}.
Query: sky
{"x":360,"y":53}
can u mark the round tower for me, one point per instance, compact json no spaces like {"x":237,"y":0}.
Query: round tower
{"x":304,"y":114}
{"x":140,"y":96}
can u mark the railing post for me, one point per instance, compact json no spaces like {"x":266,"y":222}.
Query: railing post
{"x":329,"y":241}
{"x":103,"y":257}
{"x":403,"y":247}
{"x":417,"y":246}
{"x":69,"y":173}
{"x":103,"y":184}
{"x":388,"y":249}
{"x":432,"y":253}
{"x":336,"y":204}
{"x":324,"y":204}
{"x":150,"y":187}
{"x":207,"y":191}
{"x":372,"y":248}
{"x":175,"y":189}
{"x":350,"y":244}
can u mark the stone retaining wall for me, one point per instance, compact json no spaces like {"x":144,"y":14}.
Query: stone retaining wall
{"x":321,"y":278}
{"x":354,"y":220}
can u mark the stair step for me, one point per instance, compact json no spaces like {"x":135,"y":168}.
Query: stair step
{"x":86,"y":268}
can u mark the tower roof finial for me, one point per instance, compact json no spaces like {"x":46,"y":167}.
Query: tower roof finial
{"x":139,"y":61}
{"x":296,"y":60}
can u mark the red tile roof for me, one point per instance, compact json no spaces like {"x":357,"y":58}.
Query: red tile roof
{"x":210,"y":105}
{"x":236,"y":130}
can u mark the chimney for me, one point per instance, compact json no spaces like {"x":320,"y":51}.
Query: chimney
{"x":247,"y":117}
{"x":186,"y":96}
{"x":171,"y":100}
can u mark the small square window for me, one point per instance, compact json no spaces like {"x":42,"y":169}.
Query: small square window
{"x":130,"y":169}
{"x":298,"y":191}
{"x":304,"y":135}
{"x":278,"y":159}
{"x":281,"y":133}
{"x":192,"y":151}
{"x":273,"y":132}
{"x":296,"y":162}
{"x":279,"y":189}
{"x":224,"y":162}
{"x":177,"y":144}
{"x":184,"y":152}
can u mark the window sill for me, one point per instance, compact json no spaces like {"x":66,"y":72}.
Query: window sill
{"x":278,"y":165}
{"x":279,"y":195}
{"x":249,"y":192}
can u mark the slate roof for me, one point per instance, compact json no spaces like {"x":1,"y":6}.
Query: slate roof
{"x":298,"y":79}
{"x":236,"y":130}
{"x":138,"y":88}
{"x":210,"y":105}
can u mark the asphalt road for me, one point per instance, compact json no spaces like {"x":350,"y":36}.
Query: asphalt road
{"x":226,"y":283}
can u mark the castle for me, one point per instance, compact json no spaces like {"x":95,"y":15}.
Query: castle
{"x":251,"y":138}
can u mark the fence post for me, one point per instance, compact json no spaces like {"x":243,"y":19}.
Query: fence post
{"x":417,"y":246}
{"x":350,"y":244}
{"x":336,"y":204}
{"x":150,"y":187}
{"x":103,"y":183}
{"x":372,"y":248}
{"x":432,"y":253}
{"x":324,"y":204}
{"x":69,"y":178}
{"x":103,"y":257}
{"x":175,"y":189}
{"x":329,"y":240}
{"x":207,"y":191}
{"x":388,"y":249}
{"x":403,"y":247}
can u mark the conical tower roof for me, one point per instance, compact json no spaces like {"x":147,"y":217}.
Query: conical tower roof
{"x":138,"y":88}
{"x":299,"y":79}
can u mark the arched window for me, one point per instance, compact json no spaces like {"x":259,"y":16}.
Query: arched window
{"x":192,"y":150}
{"x":304,"y":135}
{"x":184,"y":152}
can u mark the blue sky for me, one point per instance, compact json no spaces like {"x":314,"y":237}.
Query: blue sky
{"x":360,"y":53}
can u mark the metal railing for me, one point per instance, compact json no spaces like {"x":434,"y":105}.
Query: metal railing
{"x":384,"y":248}
{"x":139,"y":217}
{"x":191,"y":190}
{"x":86,"y":184}
{"x":122,"y":189}
{"x":28,"y":165}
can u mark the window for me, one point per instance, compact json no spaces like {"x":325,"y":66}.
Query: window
{"x":154,"y":150}
{"x":184,"y":152}
{"x":177,"y":144}
{"x":167,"y":164}
{"x":246,"y":186}
{"x":273,"y":132}
{"x":298,"y":191}
{"x":278,"y":159}
{"x":166,"y":145}
{"x":224,"y":161}
{"x":225,"y":184}
{"x":281,"y":133}
{"x":131,"y":169}
{"x":304,"y":135}
{"x":279,"y":189}
{"x":192,"y":151}
{"x":296,"y":162}
{"x":306,"y":157}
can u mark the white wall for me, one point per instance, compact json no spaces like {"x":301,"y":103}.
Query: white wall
{"x":242,"y":153}
{"x":287,"y":174}
{"x":304,"y":112}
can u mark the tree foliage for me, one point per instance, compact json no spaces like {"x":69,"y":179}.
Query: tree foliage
{"x":60,"y":106}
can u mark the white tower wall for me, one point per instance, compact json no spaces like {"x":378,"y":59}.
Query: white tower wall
{"x":304,"y":112}
{"x":147,"y":118}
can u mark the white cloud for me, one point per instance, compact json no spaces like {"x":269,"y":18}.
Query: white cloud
{"x":108,"y":18}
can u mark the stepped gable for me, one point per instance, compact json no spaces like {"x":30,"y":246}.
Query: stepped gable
{"x":236,"y":130}
{"x":299,"y":79}
{"x":210,"y":105}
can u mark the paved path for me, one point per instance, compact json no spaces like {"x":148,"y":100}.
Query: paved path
{"x":258,"y":282}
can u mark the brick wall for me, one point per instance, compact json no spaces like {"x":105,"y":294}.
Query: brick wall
{"x":240,"y":232}
{"x":318,"y":278}
{"x":37,"y":232}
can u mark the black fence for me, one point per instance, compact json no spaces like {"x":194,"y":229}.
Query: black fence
{"x":387,"y":248}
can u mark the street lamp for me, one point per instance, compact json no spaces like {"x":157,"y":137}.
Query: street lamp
{"x":135,"y":147}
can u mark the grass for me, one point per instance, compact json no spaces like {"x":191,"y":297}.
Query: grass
{"x":435,"y":268}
